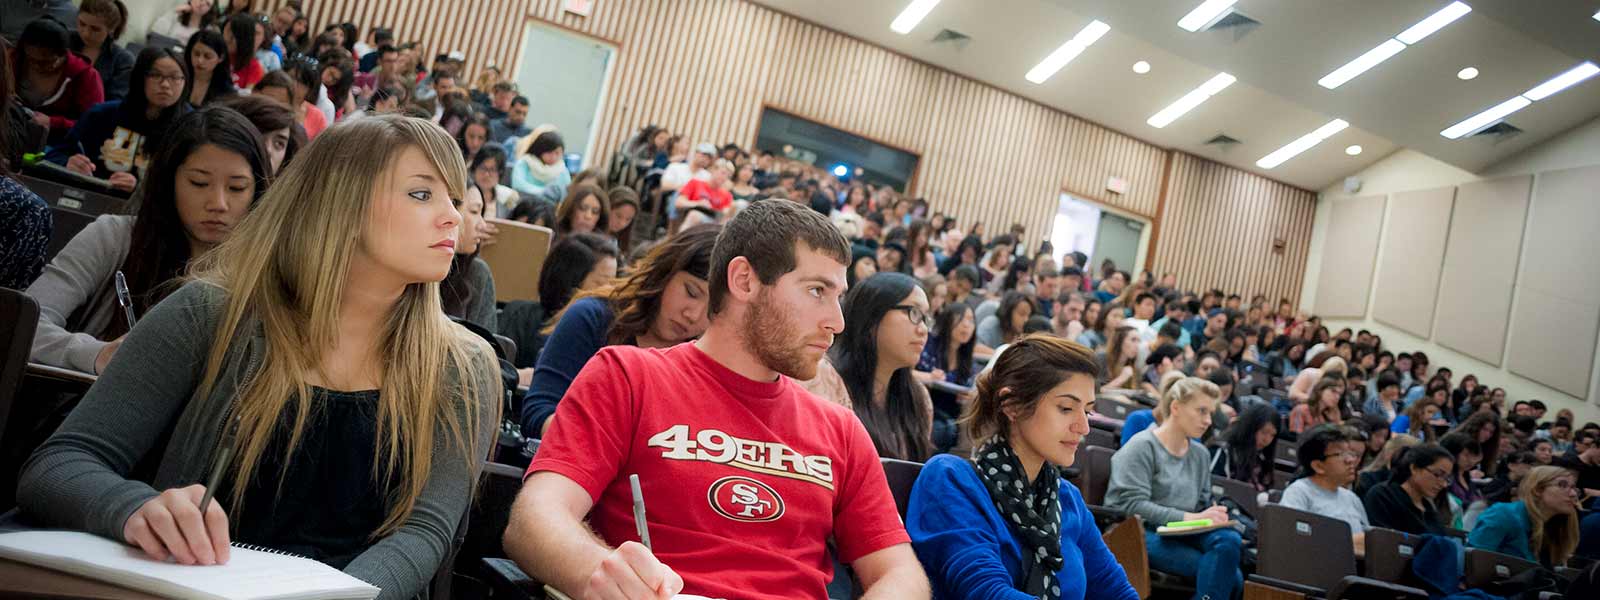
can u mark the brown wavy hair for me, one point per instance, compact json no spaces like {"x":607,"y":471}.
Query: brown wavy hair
{"x":1027,"y":369}
{"x":636,"y":299}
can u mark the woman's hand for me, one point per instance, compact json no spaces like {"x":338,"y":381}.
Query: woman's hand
{"x":103,"y":358}
{"x":41,"y":119}
{"x":486,"y":233}
{"x":1217,"y":514}
{"x":172,"y":525}
{"x":80,"y":163}
{"x":123,"y":181}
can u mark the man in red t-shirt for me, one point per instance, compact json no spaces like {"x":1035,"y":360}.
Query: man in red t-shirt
{"x":706,"y":201}
{"x":745,"y":475}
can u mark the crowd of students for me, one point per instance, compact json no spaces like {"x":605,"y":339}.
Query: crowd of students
{"x":772,"y":333}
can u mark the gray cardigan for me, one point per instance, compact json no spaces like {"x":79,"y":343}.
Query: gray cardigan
{"x":76,"y":297}
{"x":78,"y":478}
{"x":1148,"y":481}
{"x":482,"y":311}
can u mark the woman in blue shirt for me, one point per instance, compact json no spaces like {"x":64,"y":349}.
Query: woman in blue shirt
{"x":661,"y":304}
{"x":1005,"y":525}
{"x":1541,"y":526}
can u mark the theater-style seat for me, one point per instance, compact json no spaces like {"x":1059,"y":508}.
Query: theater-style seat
{"x":1241,"y":492}
{"x":1314,"y":555}
{"x":902,"y":475}
{"x":1484,"y":567}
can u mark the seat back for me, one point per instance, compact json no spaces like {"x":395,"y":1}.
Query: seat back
{"x":1116,"y":407}
{"x":497,"y":490}
{"x":1389,"y":554}
{"x":1288,"y":455}
{"x":1304,"y":548}
{"x":71,"y":209}
{"x":1239,"y":491}
{"x":902,"y":475}
{"x":1485,"y":567}
{"x":1101,"y":438}
{"x":19,"y":317}
{"x":1096,"y":464}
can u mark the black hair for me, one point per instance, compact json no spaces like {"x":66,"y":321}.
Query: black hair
{"x":1014,"y":273}
{"x":1008,"y":304}
{"x":136,"y":102}
{"x":1457,"y":442}
{"x":243,"y":28}
{"x":569,"y":262}
{"x":1387,"y":380}
{"x":546,"y":142}
{"x":481,"y":120}
{"x":351,"y":35}
{"x":221,"y":84}
{"x":386,"y":91}
{"x":158,"y":252}
{"x":968,"y":273}
{"x":522,"y":100}
{"x":305,"y":71}
{"x":534,"y":210}
{"x":899,"y":427}
{"x":1314,"y":446}
{"x":45,"y":33}
{"x":944,"y":328}
{"x":1420,"y":456}
{"x":489,"y":152}
{"x":383,"y":36}
{"x":1251,"y":465}
{"x":973,"y":243}
{"x":1171,"y":330}
{"x":269,"y":115}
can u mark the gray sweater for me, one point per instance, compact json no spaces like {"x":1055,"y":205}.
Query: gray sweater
{"x":78,"y":479}
{"x":76,"y":295}
{"x":482,"y":310}
{"x":1148,"y":481}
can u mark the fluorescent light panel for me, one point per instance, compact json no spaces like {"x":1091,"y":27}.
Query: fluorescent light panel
{"x":1360,"y":65}
{"x":1562,"y":81}
{"x":1205,"y":14}
{"x":1500,"y":111}
{"x":1068,"y":51}
{"x":1597,"y":15}
{"x":1190,"y":100}
{"x":1434,"y":22}
{"x":1305,"y":142}
{"x":913,"y":14}
{"x":1392,"y":46}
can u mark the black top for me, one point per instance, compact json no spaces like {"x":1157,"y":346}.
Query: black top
{"x":1390,"y":507}
{"x":329,"y":503}
{"x":1370,"y":479}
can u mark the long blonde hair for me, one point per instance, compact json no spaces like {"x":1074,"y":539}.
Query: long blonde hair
{"x":285,"y":270}
{"x":1554,"y":534}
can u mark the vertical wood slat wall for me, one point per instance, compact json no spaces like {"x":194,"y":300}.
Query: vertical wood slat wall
{"x":709,"y":67}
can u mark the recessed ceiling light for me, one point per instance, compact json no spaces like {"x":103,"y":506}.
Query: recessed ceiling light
{"x":1205,"y":14}
{"x":1141,"y":67}
{"x":1467,"y":74}
{"x":1393,"y":46}
{"x":1190,"y":100}
{"x":1305,"y":142}
{"x":1353,"y":150}
{"x":1068,"y":51}
{"x":913,"y":14}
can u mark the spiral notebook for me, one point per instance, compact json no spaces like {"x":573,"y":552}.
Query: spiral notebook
{"x":251,"y":574}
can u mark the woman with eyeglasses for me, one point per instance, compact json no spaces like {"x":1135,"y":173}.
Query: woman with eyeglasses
{"x":113,"y":139}
{"x":1406,"y":501}
{"x":485,"y":167}
{"x":1540,"y":526}
{"x":1328,"y":459}
{"x":886,"y":327}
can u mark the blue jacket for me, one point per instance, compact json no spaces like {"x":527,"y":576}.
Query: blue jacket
{"x":1136,"y":422}
{"x":1504,"y":528}
{"x":970,"y":553}
{"x":578,"y":336}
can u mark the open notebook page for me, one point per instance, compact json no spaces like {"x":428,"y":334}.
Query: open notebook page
{"x":249,"y":574}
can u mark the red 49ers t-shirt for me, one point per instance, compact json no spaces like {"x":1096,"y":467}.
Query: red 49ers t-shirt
{"x":719,"y":198}
{"x":744,"y":481}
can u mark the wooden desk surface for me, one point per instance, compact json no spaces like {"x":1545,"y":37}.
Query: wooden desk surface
{"x":21,"y":580}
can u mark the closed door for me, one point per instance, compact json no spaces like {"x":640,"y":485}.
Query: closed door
{"x":564,"y":75}
{"x":1118,"y":240}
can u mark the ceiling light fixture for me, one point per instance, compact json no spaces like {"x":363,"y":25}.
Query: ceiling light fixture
{"x":1502,"y":110}
{"x":1353,"y":150}
{"x":1467,"y":74}
{"x":1393,"y":46}
{"x":1068,"y":51}
{"x":1141,"y":67}
{"x":913,"y":14}
{"x":1207,"y":13}
{"x":1306,"y":142}
{"x":1190,"y":100}
{"x":1597,"y":15}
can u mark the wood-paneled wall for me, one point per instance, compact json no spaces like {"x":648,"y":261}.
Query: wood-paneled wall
{"x":1219,"y":226}
{"x":709,"y":67}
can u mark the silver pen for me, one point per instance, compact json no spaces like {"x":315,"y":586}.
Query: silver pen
{"x":638,"y":512}
{"x":124,"y":298}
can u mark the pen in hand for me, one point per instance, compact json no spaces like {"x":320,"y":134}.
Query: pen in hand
{"x":638,"y":512}
{"x":125,"y":298}
{"x":224,"y":453}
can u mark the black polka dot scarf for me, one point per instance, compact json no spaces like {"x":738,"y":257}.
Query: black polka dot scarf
{"x":1032,"y":511}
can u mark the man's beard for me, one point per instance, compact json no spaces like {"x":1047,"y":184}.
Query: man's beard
{"x":775,"y":343}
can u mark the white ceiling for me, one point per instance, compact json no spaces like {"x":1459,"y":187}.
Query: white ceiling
{"x":1404,"y":102}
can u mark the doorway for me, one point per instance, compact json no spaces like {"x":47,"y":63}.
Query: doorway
{"x":564,"y":75}
{"x":1099,"y":233}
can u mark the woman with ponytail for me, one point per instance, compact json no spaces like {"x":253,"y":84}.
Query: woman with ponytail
{"x":1005,"y":524}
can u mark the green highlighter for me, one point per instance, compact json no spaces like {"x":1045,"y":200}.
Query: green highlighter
{"x":1194,"y":523}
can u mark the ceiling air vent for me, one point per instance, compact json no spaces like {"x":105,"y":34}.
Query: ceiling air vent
{"x":1222,"y":140}
{"x":1236,"y":24}
{"x":952,"y":37}
{"x":1499,"y":131}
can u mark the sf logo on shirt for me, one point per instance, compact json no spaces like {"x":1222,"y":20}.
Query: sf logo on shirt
{"x":744,"y":499}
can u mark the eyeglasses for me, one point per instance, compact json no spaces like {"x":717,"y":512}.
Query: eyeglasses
{"x":172,"y":79}
{"x":1346,"y":454}
{"x":917,"y":316}
{"x":1445,"y":476}
{"x":1563,"y":484}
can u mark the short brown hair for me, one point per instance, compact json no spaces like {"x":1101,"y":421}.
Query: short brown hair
{"x":1023,"y":373}
{"x":113,"y":11}
{"x":768,"y":234}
